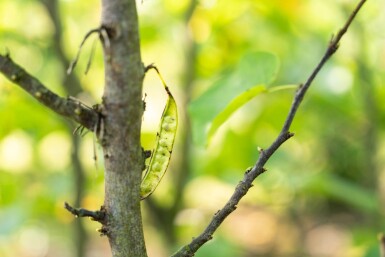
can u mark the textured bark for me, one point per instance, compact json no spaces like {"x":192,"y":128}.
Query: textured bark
{"x":122,"y":110}
{"x":67,"y":107}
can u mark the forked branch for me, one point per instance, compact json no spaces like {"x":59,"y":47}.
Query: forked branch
{"x":257,"y":169}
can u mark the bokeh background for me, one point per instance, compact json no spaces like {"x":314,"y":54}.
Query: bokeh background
{"x":323,"y":194}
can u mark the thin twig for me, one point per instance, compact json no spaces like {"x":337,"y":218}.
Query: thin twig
{"x":80,"y":212}
{"x":75,"y":60}
{"x":68,"y":107}
{"x":91,"y":56}
{"x":103,"y":35}
{"x":244,"y":185}
{"x":332,"y":48}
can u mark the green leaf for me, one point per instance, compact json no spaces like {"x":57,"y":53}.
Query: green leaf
{"x":238,"y":102}
{"x":234,"y":105}
{"x":252,"y":75}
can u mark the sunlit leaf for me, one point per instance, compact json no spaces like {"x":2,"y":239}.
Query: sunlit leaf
{"x":238,"y":102}
{"x":232,"y":107}
{"x":252,"y":75}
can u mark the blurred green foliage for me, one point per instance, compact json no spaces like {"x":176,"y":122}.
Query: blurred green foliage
{"x":253,"y":73}
{"x":323,"y":192}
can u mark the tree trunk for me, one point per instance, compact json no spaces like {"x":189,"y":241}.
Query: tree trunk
{"x":122,"y":115}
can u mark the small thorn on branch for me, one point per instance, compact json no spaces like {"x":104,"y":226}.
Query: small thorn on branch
{"x":290,"y":134}
{"x":80,"y":212}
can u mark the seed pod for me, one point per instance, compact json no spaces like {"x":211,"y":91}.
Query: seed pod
{"x":165,"y":141}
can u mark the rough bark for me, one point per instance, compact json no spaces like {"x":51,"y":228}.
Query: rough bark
{"x":67,"y":107}
{"x":122,"y":110}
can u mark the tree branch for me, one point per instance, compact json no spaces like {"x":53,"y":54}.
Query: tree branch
{"x":80,"y":212}
{"x":250,"y":175}
{"x":68,"y":107}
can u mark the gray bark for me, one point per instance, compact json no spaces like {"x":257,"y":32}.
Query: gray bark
{"x":122,"y":110}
